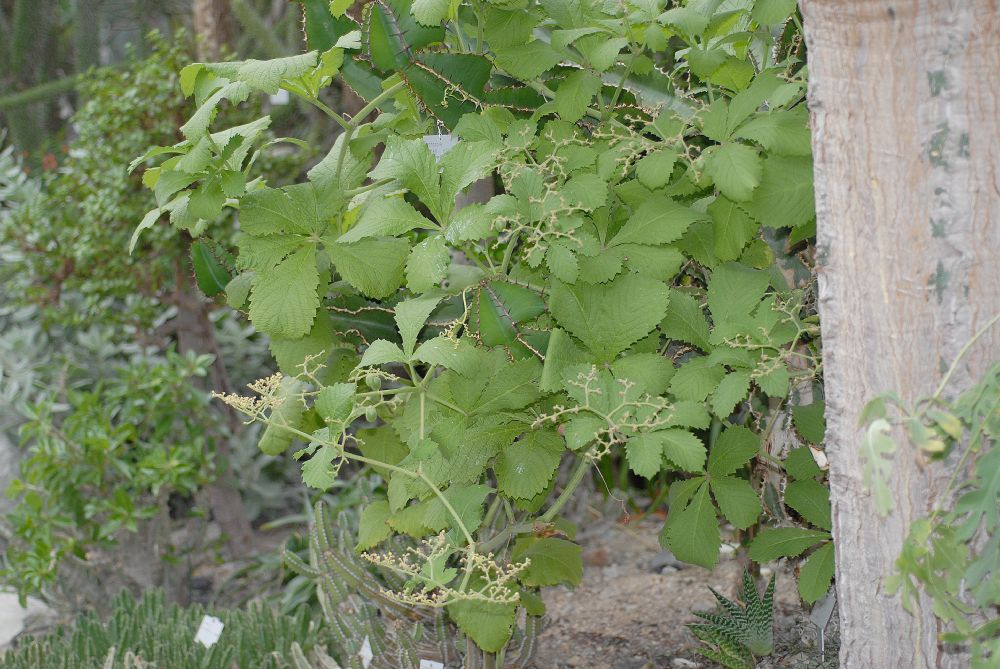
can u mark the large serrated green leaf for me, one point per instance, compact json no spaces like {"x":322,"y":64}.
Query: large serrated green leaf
{"x":817,"y":573}
{"x":609,"y":318}
{"x":784,"y":198}
{"x":284,"y":299}
{"x":775,"y":542}
{"x":812,"y":501}
{"x":385,"y":217}
{"x":694,"y":535}
{"x":525,"y":467}
{"x":735,"y":168}
{"x":373,"y":266}
{"x":373,"y":526}
{"x":737,"y":500}
{"x":733,"y":449}
{"x":658,"y":220}
{"x":488,"y":624}
{"x":554,"y":561}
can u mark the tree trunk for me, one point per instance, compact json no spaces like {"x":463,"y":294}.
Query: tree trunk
{"x":213,"y":26}
{"x":905,"y":100}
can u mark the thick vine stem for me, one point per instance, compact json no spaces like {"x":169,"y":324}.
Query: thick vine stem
{"x":352,"y":126}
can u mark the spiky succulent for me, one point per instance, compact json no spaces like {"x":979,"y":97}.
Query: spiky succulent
{"x":743,"y":631}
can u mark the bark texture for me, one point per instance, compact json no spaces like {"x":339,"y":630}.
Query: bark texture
{"x":905,"y":100}
{"x":213,"y":24}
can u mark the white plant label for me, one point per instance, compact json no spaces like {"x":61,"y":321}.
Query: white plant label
{"x":366,"y":653}
{"x":209,"y":631}
{"x":280,"y":98}
{"x":439,"y":144}
{"x":430,"y":664}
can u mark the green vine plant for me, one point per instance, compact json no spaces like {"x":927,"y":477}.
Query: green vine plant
{"x":951,"y":555}
{"x":616,"y":297}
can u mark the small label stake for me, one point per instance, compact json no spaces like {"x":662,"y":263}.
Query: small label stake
{"x":430,"y":664}
{"x":209,"y":631}
{"x":439,"y":144}
{"x":365,"y":653}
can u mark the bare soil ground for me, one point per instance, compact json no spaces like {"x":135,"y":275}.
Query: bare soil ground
{"x":631,"y":609}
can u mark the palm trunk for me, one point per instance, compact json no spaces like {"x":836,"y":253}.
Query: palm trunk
{"x":905,"y":100}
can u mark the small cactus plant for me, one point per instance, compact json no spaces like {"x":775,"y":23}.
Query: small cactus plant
{"x":743,"y":632}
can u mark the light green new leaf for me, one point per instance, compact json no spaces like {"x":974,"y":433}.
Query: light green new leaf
{"x":385,"y":217}
{"x":877,"y":448}
{"x":283,"y":300}
{"x":428,"y":264}
{"x":575,"y":94}
{"x":411,"y":316}
{"x":554,"y":561}
{"x":373,"y":266}
{"x":816,"y":574}
{"x":611,"y":317}
{"x":732,"y":389}
{"x":525,"y":467}
{"x":735,"y":168}
{"x":775,"y":542}
{"x":658,"y":220}
{"x":373,"y":527}
{"x":811,"y":499}
{"x":733,"y":449}
{"x":694,"y":535}
{"x":737,"y":500}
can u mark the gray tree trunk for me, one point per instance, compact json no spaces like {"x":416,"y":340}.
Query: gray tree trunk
{"x":905,"y":100}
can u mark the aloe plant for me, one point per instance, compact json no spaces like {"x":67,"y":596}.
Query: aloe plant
{"x":743,"y":632}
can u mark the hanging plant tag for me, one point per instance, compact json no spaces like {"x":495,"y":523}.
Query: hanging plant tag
{"x":209,"y":631}
{"x":439,"y":144}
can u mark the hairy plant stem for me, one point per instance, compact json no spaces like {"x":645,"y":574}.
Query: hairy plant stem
{"x":352,"y":126}
{"x":574,"y":481}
